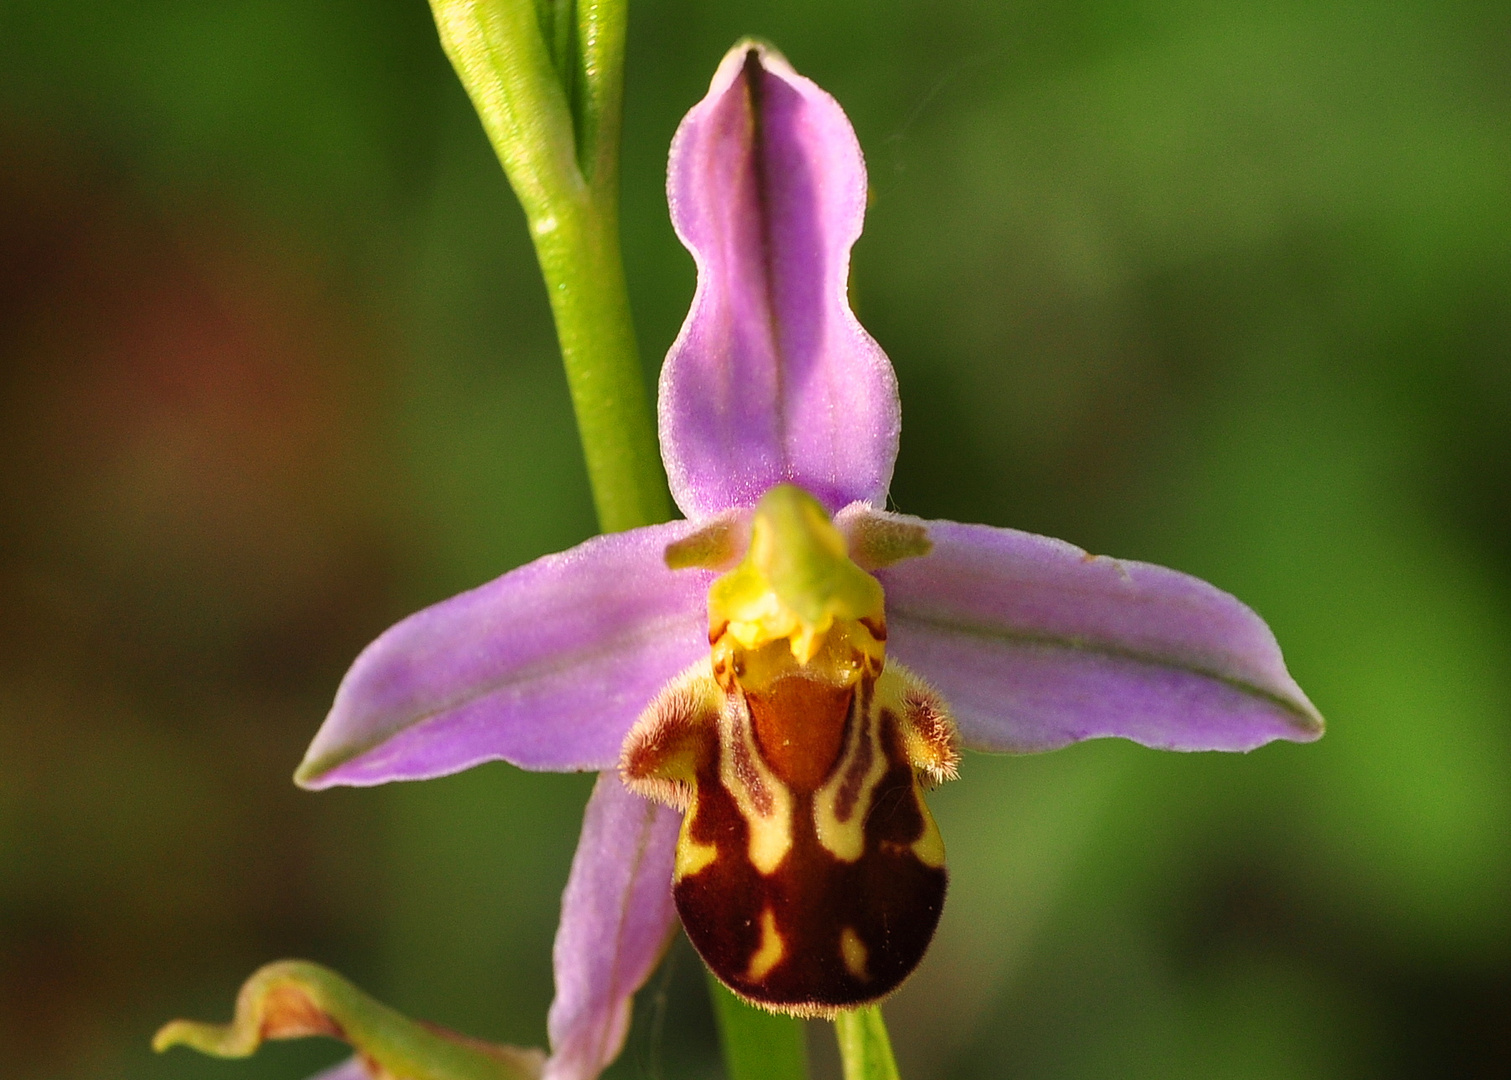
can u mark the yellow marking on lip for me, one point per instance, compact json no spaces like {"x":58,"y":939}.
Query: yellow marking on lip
{"x":846,"y":840}
{"x":693,"y":857}
{"x":770,"y":840}
{"x":853,"y":950}
{"x":771,"y":950}
{"x":928,"y":848}
{"x":770,"y":833}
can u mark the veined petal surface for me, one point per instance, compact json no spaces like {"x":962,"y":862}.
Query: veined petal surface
{"x":772,"y":378}
{"x":617,"y":916}
{"x":1036,"y":644}
{"x":546,"y":667}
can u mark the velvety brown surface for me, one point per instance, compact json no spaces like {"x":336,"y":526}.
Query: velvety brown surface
{"x":799,"y":726}
{"x":890,"y":899}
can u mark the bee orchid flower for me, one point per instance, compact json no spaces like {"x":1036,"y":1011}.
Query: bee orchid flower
{"x":768,"y":687}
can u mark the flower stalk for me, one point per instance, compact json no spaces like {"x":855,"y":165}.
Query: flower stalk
{"x":758,"y":1045}
{"x":864,"y":1046}
{"x":547,"y":79}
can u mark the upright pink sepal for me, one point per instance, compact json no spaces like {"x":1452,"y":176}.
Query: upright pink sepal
{"x":772,"y":378}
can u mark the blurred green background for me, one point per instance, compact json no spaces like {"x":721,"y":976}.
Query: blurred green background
{"x":1222,"y":285}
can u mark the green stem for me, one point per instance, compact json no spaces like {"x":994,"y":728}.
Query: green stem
{"x":560,"y":151}
{"x":864,"y":1046}
{"x":579,"y":256}
{"x":547,"y":79}
{"x":758,"y":1045}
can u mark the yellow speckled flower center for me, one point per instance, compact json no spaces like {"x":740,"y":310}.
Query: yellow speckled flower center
{"x":795,"y":584}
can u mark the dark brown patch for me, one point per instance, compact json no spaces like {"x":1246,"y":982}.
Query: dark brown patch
{"x":888,"y":897}
{"x":860,"y":760}
{"x":799,"y":726}
{"x":750,"y":776}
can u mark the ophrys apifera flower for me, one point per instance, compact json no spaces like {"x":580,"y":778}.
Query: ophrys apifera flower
{"x":758,"y":670}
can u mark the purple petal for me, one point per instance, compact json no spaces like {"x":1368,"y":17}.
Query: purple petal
{"x":1037,"y":644}
{"x":772,"y":378}
{"x":616,"y":919}
{"x":353,"y":1068}
{"x":546,"y":667}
